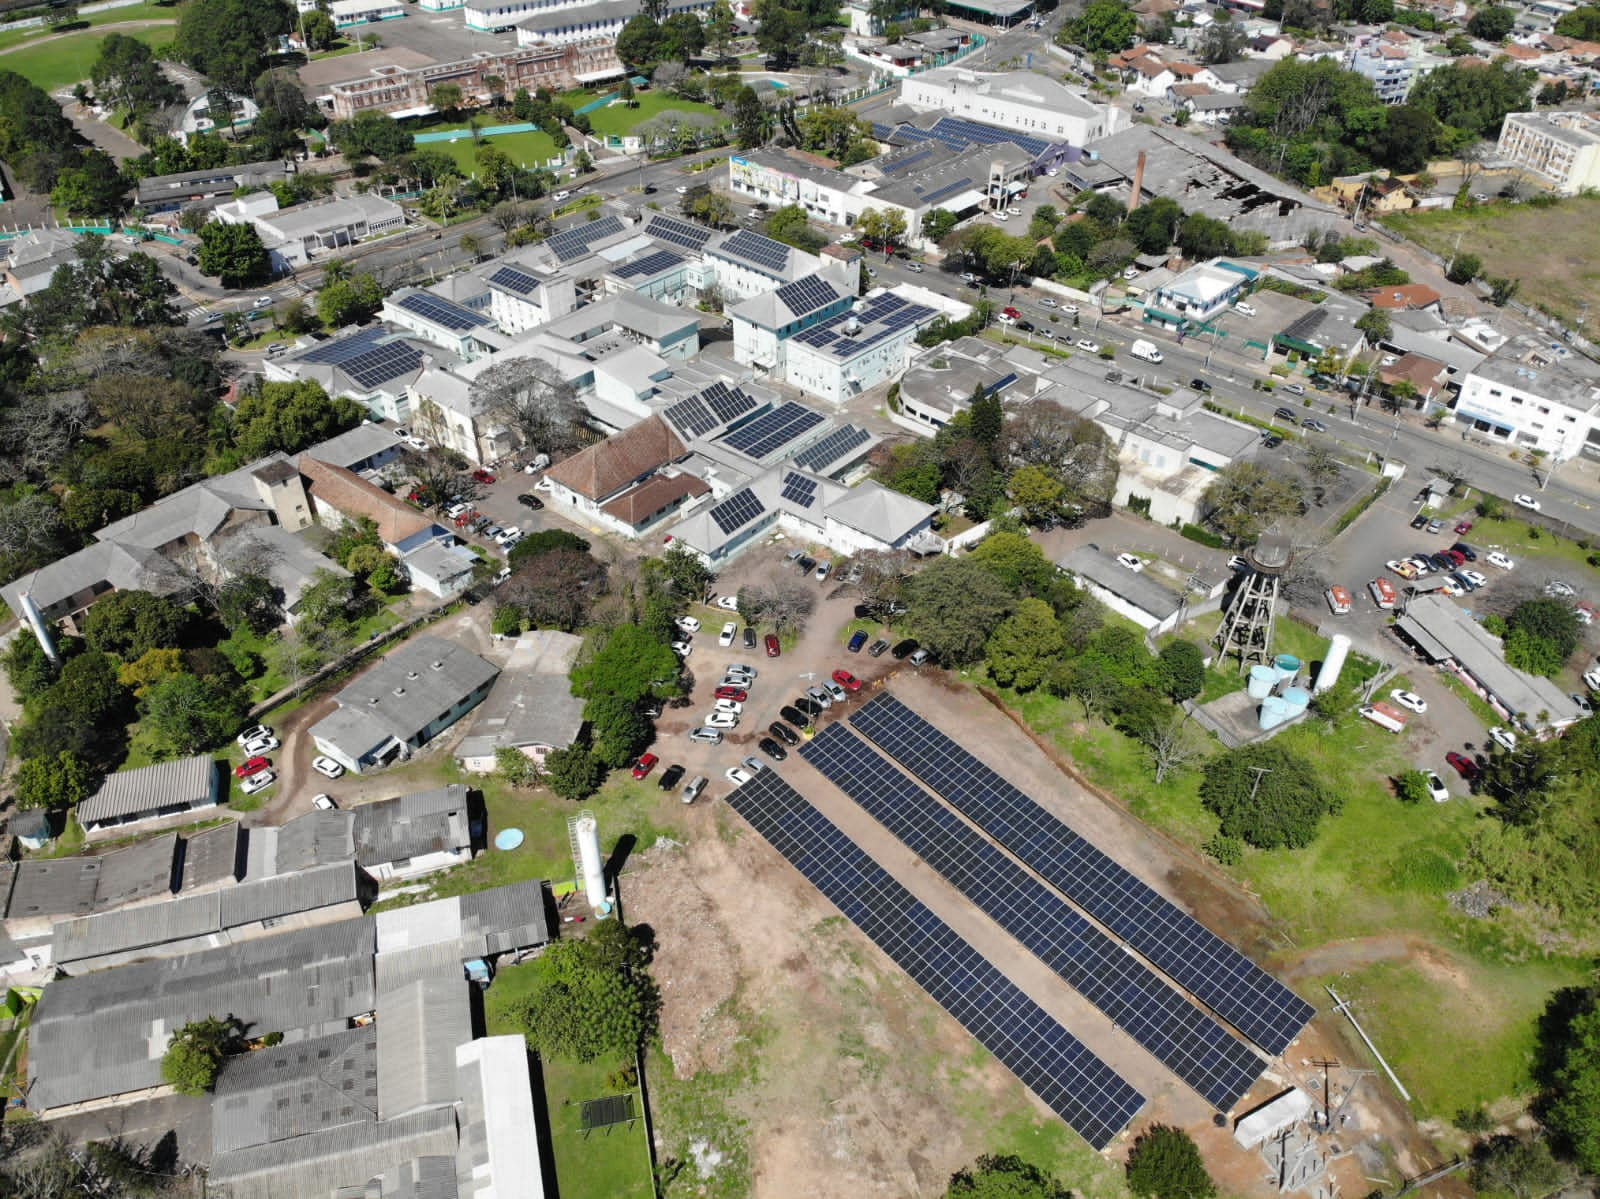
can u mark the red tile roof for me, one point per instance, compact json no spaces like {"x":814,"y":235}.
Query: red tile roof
{"x":610,"y":465}
{"x":352,"y":496}
{"x":656,"y":494}
{"x":1407,"y":295}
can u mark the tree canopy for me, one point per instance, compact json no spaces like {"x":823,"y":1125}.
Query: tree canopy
{"x":234,"y":253}
{"x":1267,"y":796}
{"x":956,"y":603}
{"x":1165,"y":1164}
{"x":1541,"y":634}
{"x":194,"y":1055}
{"x":289,"y":417}
{"x":227,"y":40}
{"x":593,"y":998}
{"x":1004,"y":1176}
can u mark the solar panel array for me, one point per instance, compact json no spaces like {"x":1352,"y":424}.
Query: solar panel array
{"x":513,"y":280}
{"x":575,"y":242}
{"x":679,"y":233}
{"x":1177,"y":944}
{"x":959,"y":133}
{"x":807,"y":295}
{"x":738,"y":510}
{"x":773,"y":430}
{"x":366,"y":359}
{"x":341,"y":350}
{"x":798,"y":489}
{"x":1087,"y":1094}
{"x":729,"y":403}
{"x":709,"y":408}
{"x":1190,"y":1043}
{"x":884,"y":315}
{"x":948,"y":190}
{"x":832,"y":448}
{"x":447,"y":314}
{"x":692,"y":416}
{"x":909,"y":161}
{"x":760,"y":251}
{"x":655,"y":263}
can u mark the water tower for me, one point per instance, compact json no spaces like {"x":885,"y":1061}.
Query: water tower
{"x":1247,"y":621}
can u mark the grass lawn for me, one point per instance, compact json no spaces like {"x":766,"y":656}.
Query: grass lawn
{"x":614,"y":1165}
{"x":615,"y":119}
{"x":114,"y":16}
{"x":530,"y":149}
{"x":60,"y":62}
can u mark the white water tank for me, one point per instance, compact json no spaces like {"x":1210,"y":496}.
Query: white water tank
{"x":594,"y":874}
{"x":1332,"y":662}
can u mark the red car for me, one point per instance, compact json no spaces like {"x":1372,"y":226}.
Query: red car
{"x":1013,"y":314}
{"x":251,"y":766}
{"x":773,"y":648}
{"x":847,"y":680}
{"x":1463,"y":526}
{"x":482,"y":476}
{"x":1456,"y":556}
{"x":737,"y":694}
{"x":1464,"y":766}
{"x":645,"y":764}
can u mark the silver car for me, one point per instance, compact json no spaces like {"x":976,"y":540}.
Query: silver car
{"x":819,"y":696}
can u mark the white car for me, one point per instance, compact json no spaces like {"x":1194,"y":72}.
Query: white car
{"x":253,"y":733}
{"x":456,"y":509}
{"x":326,"y":767}
{"x":722,"y":720}
{"x":1087,"y":346}
{"x":728,"y":603}
{"x":729,"y":630}
{"x":261,"y":302}
{"x":1503,"y":737}
{"x":261,"y":745}
{"x":509,"y":537}
{"x":1473,"y":577}
{"x":1423,"y":566}
{"x":1526,"y":501}
{"x":1501,"y":560}
{"x":1559,"y":589}
{"x":682,"y":648}
{"x":736,"y":776}
{"x":1002,"y":216}
{"x":682,"y":191}
{"x":730,"y":705}
{"x":1130,"y":561}
{"x":1591,"y":678}
{"x":323,"y":803}
{"x":1451,"y":588}
{"x":1047,"y":302}
{"x":560,"y":196}
{"x":1013,"y":211}
{"x":417,"y":444}
{"x":688,"y":624}
{"x":1245,"y":309}
{"x":259,"y":781}
{"x":1436,"y":787}
{"x":1409,"y":699}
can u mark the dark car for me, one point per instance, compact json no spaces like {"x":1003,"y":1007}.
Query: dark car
{"x":528,"y":500}
{"x":877,"y":647}
{"x":1419,"y":521}
{"x":1271,"y":443}
{"x":795,"y":717}
{"x":856,"y":642}
{"x":783,"y":733}
{"x":772,"y":749}
{"x":904,"y":649}
{"x":1465,"y":550}
{"x":749,"y":637}
{"x":1025,"y":326}
{"x":1286,"y":416}
{"x":1442,"y":561}
{"x":1456,"y":556}
{"x":1463,"y":582}
{"x":669,"y":777}
{"x":1199,"y":384}
{"x":773,"y":648}
{"x":806,"y":563}
{"x":808,"y":705}
{"x":1464,"y":766}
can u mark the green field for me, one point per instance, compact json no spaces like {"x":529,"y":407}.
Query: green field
{"x":113,"y":16}
{"x":59,"y":62}
{"x":617,"y":120}
{"x":525,"y":149}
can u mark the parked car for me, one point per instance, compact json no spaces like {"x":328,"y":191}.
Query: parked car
{"x":1467,"y":552}
{"x":261,"y":745}
{"x":847,"y":680}
{"x":1473,"y":577}
{"x":1244,"y":309}
{"x":903,"y":649}
{"x":1131,"y":562}
{"x":670,"y":776}
{"x":808,"y":705}
{"x":1047,"y":302}
{"x":772,"y":749}
{"x":254,"y":733}
{"x":1462,"y":581}
{"x":773,"y":648}
{"x":682,"y":648}
{"x":691,"y":792}
{"x":1419,"y":521}
{"x":741,"y":668}
{"x":1409,"y":699}
{"x":795,"y":716}
{"x":729,"y":692}
{"x":706,"y":736}
{"x":722,"y":720}
{"x":1199,"y":384}
{"x":326,"y":766}
{"x":528,"y":500}
{"x":1526,"y":501}
{"x":1294,"y":389}
{"x":1403,"y":568}
{"x":645,"y":764}
{"x":1463,"y":765}
{"x":806,"y":563}
{"x":258,"y":782}
{"x":823,"y":568}
{"x":482,"y":476}
{"x":688,"y":624}
{"x":1435,"y":525}
{"x":251,"y":766}
{"x":1503,"y":561}
{"x":1436,"y":788}
{"x":1463,"y":526}
{"x":729,"y":631}
{"x":323,"y":803}
{"x":1314,"y":425}
{"x":835,"y":692}
{"x":736,"y":775}
{"x":1504,"y":738}
{"x":1087,"y":346}
{"x":857,"y":640}
{"x":875,"y":650}
{"x":729,"y":705}
{"x":783,"y":733}
{"x":820,"y":697}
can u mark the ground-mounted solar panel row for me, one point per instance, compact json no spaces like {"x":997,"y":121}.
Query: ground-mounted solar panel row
{"x":1091,"y":1097}
{"x":1183,"y":1038}
{"x":1177,"y":944}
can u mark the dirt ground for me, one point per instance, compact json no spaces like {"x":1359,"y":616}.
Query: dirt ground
{"x":851,"y":1079}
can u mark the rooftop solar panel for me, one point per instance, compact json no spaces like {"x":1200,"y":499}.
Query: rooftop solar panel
{"x":831,"y":448}
{"x":1087,"y":1094}
{"x":447,"y":314}
{"x":729,"y":403}
{"x":906,"y":163}
{"x":763,"y":252}
{"x":798,"y":489}
{"x":343,"y":349}
{"x":679,"y":233}
{"x":692,"y":416}
{"x":1190,"y":1043}
{"x":807,"y":295}
{"x":774,"y":430}
{"x":656,"y":263}
{"x":960,"y":132}
{"x":1194,"y":957}
{"x":513,"y":280}
{"x":948,"y":190}
{"x":575,"y":242}
{"x":738,"y":510}
{"x":382,"y":364}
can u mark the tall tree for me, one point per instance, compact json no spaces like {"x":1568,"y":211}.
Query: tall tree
{"x":1024,"y":644}
{"x":1165,"y":1163}
{"x":1004,"y":1177}
{"x":531,"y":396}
{"x":1267,"y":796}
{"x":228,"y":40}
{"x":234,"y":253}
{"x":194,"y":1054}
{"x":955,"y":605}
{"x":592,"y":998}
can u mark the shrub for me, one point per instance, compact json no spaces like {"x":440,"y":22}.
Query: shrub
{"x":1197,"y":533}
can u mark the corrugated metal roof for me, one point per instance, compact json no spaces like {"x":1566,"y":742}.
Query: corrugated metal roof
{"x":211,"y":856}
{"x":138,"y":872}
{"x":322,"y":1162}
{"x":150,"y":788}
{"x":423,"y":1014}
{"x":297,"y":1088}
{"x":283,"y":894}
{"x":54,"y":887}
{"x":134,"y":928}
{"x":410,"y":826}
{"x":315,"y":839}
{"x":426,"y":1178}
{"x":499,"y":1153}
{"x":512,"y":917}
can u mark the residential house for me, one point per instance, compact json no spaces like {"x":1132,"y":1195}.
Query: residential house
{"x":1201,"y":293}
{"x":441,"y":568}
{"x":1416,"y":376}
{"x":410,"y":696}
{"x":32,"y":259}
{"x":217,"y":109}
{"x":340,"y":497}
{"x":1417,"y":297}
{"x":530,"y":708}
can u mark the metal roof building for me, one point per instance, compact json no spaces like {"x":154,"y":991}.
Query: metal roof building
{"x":150,"y":792}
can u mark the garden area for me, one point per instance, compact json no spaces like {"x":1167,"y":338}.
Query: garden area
{"x":530,"y":149}
{"x":57,"y":62}
{"x":618,"y":120}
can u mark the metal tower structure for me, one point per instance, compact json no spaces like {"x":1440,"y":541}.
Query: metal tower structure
{"x":1249,"y":618}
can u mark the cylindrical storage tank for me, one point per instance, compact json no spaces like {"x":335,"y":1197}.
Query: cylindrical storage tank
{"x":1296,"y":699}
{"x":1262,"y":679}
{"x":594,"y":873}
{"x":1288,"y":666}
{"x":1333,"y":662}
{"x":1274,"y":712}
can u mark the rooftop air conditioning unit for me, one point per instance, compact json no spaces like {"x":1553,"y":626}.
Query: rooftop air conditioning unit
{"x":852,"y":326}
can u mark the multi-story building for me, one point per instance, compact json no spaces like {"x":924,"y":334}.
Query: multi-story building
{"x":1530,"y":396}
{"x":492,"y":16}
{"x":1561,"y":148}
{"x":559,"y":23}
{"x":1393,"y":61}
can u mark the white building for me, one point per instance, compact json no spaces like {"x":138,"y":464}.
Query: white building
{"x":856,"y":350}
{"x":1020,"y":100}
{"x":495,"y":15}
{"x":522,"y":297}
{"x":294,"y":236}
{"x":1561,"y":148}
{"x":1201,"y":292}
{"x":762,"y":324}
{"x":347,"y":13}
{"x":558,"y":24}
{"x":214,"y":110}
{"x":468,"y":333}
{"x":1533,"y":397}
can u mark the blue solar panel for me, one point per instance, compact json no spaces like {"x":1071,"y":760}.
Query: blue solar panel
{"x":752,"y":248}
{"x":906,"y":163}
{"x":738,"y":510}
{"x":447,"y":314}
{"x":832,"y":448}
{"x":1190,"y":1043}
{"x":341,"y":350}
{"x":513,"y":280}
{"x":1091,"y":1097}
{"x":798,"y":489}
{"x":692,"y":416}
{"x":774,"y":430}
{"x":656,"y":263}
{"x":679,"y":233}
{"x":729,"y":403}
{"x":807,"y":295}
{"x":948,"y":190}
{"x":959,"y":133}
{"x":1177,"y":944}
{"x":575,"y":242}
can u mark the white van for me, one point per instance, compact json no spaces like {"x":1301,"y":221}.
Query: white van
{"x":1146,"y":350}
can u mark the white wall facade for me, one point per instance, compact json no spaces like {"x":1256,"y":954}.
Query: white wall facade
{"x":967,"y":96}
{"x":818,"y":373}
{"x":1520,"y":416}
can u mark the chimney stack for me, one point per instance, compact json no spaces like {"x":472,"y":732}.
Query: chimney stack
{"x":1138,"y":183}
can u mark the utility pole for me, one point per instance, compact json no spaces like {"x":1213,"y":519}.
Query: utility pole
{"x":1258,"y":771}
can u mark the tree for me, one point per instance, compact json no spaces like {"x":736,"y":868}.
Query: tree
{"x":784,"y":605}
{"x":1473,"y":100}
{"x":1492,"y":23}
{"x":1004,"y":1177}
{"x":446,"y":98}
{"x":350,"y":301}
{"x":592,"y":998}
{"x":629,"y":663}
{"x":690,"y":576}
{"x":371,"y":133}
{"x":1017,"y":561}
{"x":130,"y":623}
{"x":573,"y":773}
{"x":289,"y":417}
{"x":1246,"y":497}
{"x":531,"y":396}
{"x":1376,"y":325}
{"x":988,"y":418}
{"x":1022,"y":646}
{"x":227,"y":40}
{"x":1163,"y":734}
{"x":27,"y":668}
{"x":1522,"y":1169}
{"x":620,"y":731}
{"x":1267,"y":796}
{"x":1183,"y":670}
{"x":557,"y":590}
{"x":1222,"y":42}
{"x":234,"y":253}
{"x":1411,"y":787}
{"x":938,"y":224}
{"x":126,"y":73}
{"x":955,"y":604}
{"x":1164,"y":1163}
{"x":752,"y":124}
{"x":1541,"y":635}
{"x":683,"y":36}
{"x":1573,"y":1048}
{"x":94,"y":187}
{"x":57,"y":782}
{"x":781,"y":35}
{"x":640,"y":44}
{"x":1106,"y":26}
{"x":543,"y":542}
{"x":150,"y":668}
{"x":189,"y":715}
{"x":1037,"y":493}
{"x":319,"y":29}
{"x":194,"y":1054}
{"x":1582,"y":23}
{"x":250,"y":600}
